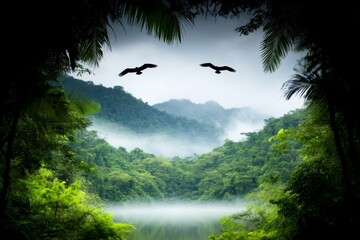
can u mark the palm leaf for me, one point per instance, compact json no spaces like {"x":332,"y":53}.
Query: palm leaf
{"x":165,"y":22}
{"x":309,"y":86}
{"x":282,"y":34}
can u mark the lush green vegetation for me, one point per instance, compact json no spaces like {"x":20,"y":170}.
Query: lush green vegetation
{"x":229,"y":172}
{"x":41,"y":195}
{"x":309,"y":204}
{"x":45,"y":184}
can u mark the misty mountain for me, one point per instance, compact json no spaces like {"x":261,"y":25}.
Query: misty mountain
{"x":210,"y":112}
{"x":126,"y":121}
{"x":174,"y":128}
{"x":120,"y":107}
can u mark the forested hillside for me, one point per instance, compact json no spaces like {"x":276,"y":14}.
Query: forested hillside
{"x":120,"y":107}
{"x":174,"y":128}
{"x":229,"y":172}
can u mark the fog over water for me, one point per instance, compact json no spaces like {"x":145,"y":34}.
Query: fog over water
{"x":174,"y":212}
{"x":175,"y":221}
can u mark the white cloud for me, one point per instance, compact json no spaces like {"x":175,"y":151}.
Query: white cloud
{"x":179,"y":76}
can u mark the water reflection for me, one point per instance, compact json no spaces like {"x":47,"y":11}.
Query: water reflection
{"x":175,"y":221}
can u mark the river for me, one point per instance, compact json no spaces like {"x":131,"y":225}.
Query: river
{"x":173,"y":221}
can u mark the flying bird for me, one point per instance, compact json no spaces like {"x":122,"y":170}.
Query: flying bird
{"x":218,"y":69}
{"x":137,"y":70}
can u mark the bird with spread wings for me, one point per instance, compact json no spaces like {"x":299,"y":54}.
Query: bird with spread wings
{"x":137,"y":70}
{"x":218,"y":69}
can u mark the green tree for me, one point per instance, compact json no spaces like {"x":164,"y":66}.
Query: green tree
{"x":40,"y":134}
{"x":329,"y":81}
{"x":313,"y":204}
{"x":315,"y":84}
{"x":330,"y":75}
{"x":37,"y":120}
{"x":64,"y":211}
{"x":297,"y":26}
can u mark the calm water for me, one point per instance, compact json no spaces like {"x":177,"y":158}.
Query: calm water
{"x":174,"y":221}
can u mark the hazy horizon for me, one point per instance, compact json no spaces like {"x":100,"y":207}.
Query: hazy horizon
{"x":169,"y":145}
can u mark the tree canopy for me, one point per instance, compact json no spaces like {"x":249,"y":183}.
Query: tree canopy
{"x":46,"y":39}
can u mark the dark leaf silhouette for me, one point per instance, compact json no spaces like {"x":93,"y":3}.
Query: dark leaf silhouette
{"x":218,"y":69}
{"x":137,"y":70}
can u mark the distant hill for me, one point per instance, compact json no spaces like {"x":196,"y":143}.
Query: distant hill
{"x":173,"y":128}
{"x":126,"y":121}
{"x":120,"y":107}
{"x":210,"y":112}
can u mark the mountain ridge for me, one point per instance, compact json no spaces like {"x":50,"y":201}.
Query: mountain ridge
{"x":210,"y":112}
{"x":125,"y":121}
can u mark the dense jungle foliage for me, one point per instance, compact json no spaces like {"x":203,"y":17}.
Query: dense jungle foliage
{"x":43,"y":196}
{"x":228,"y":172}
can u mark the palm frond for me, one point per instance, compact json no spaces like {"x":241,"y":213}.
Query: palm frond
{"x":282,"y":34}
{"x":296,"y":86}
{"x":165,"y":22}
{"x":274,"y":48}
{"x":309,"y":86}
{"x":81,"y":105}
{"x":96,"y":36}
{"x":254,"y":24}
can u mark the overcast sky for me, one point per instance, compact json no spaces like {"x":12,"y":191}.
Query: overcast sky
{"x":180,"y":76}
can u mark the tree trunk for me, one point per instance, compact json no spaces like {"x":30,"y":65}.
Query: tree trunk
{"x":7,"y":161}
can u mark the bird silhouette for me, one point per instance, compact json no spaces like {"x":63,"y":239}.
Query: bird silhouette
{"x":218,"y":69}
{"x":137,"y":70}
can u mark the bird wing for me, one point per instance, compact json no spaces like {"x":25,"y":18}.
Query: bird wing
{"x":147,"y":65}
{"x":208,"y":65}
{"x":227,"y":68}
{"x":127,"y":70}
